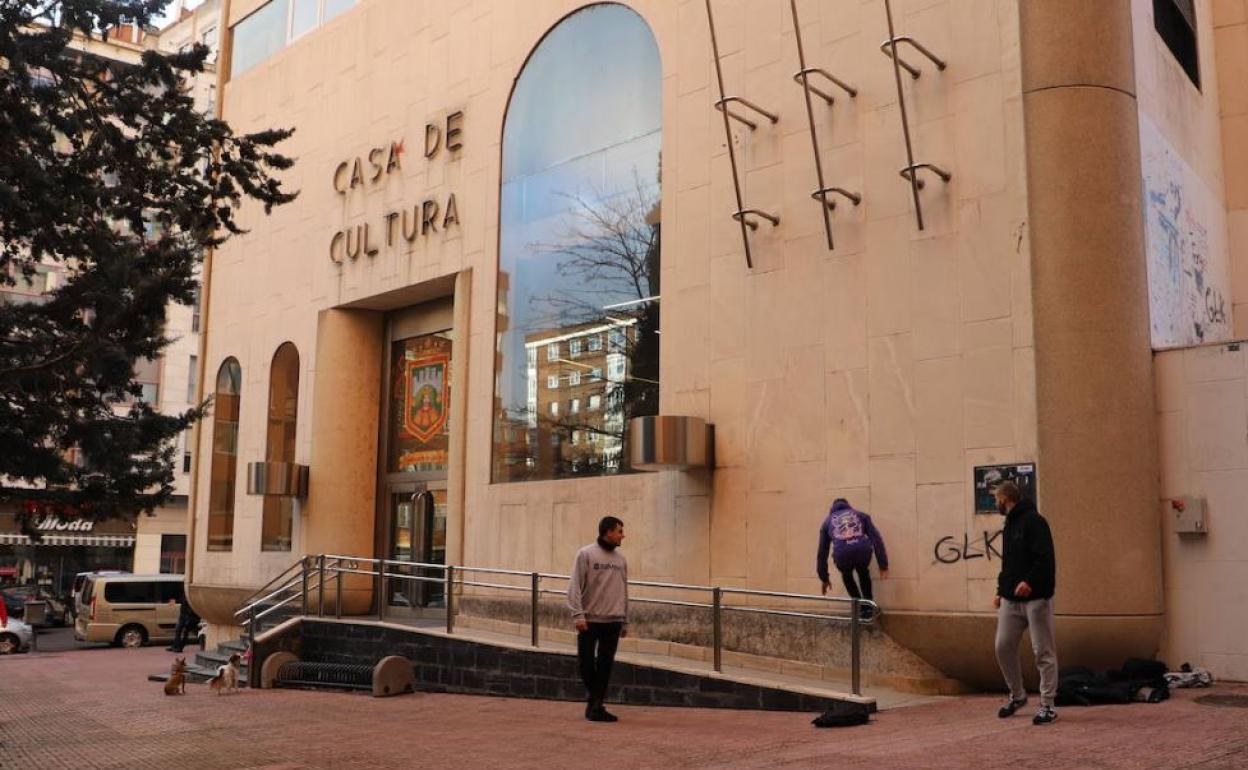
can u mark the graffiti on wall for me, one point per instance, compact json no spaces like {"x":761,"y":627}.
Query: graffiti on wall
{"x":1188,"y":277}
{"x":952,"y":549}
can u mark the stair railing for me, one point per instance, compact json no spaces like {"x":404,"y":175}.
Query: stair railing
{"x":316,"y":571}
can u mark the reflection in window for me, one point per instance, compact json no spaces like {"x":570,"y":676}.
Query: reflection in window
{"x":279,"y":510}
{"x":224,"y":468}
{"x":579,"y":244}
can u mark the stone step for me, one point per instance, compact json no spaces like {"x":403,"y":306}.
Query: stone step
{"x":199,"y":675}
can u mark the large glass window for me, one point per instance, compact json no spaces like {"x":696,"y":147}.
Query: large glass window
{"x":224,"y":466}
{"x":579,"y":244}
{"x":279,"y":510}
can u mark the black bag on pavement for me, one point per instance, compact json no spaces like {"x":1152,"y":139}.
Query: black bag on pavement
{"x":842,"y":714}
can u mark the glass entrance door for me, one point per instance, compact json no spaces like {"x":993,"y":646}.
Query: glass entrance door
{"x":417,"y":441}
{"x":417,"y":534}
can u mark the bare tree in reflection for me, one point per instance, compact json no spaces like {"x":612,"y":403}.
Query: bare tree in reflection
{"x":608,"y":255}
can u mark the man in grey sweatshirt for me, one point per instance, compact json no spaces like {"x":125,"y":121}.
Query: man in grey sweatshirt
{"x":598,"y":598}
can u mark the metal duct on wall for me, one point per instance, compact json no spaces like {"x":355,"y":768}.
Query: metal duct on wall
{"x":665,"y":442}
{"x":273,"y":478}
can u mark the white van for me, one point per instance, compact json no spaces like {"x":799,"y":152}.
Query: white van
{"x":129,"y":610}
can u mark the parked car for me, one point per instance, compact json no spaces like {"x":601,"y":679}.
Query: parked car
{"x":80,"y":581}
{"x":14,"y":604}
{"x":58,"y":613}
{"x":15,"y":636}
{"x":129,"y":610}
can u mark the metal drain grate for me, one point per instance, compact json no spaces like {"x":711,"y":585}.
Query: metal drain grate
{"x":332,"y":675}
{"x":1225,"y":701}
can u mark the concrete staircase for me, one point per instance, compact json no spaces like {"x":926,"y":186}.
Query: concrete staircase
{"x":204,"y":665}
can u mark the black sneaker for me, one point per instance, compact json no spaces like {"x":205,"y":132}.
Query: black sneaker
{"x":1046,"y":715}
{"x":600,"y":714}
{"x":1011,"y":706}
{"x":590,"y":708}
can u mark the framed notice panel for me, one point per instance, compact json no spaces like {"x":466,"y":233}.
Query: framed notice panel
{"x":987,"y":477}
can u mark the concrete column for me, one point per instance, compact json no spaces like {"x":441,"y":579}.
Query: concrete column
{"x":340,"y":512}
{"x":1098,"y":464}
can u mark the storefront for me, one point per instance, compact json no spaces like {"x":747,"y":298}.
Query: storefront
{"x":65,"y":548}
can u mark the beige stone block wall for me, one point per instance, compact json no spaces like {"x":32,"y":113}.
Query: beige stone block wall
{"x":882,"y":371}
{"x":1202,"y":403}
{"x":170,"y":520}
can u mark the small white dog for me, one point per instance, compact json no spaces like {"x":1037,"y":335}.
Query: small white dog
{"x":226,"y":679}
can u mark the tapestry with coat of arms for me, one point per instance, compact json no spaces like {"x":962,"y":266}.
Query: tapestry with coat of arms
{"x":420,"y":400}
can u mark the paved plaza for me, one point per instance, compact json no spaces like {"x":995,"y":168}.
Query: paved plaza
{"x":94,"y":708}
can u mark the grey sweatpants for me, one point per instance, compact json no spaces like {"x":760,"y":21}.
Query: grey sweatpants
{"x":1036,"y":616}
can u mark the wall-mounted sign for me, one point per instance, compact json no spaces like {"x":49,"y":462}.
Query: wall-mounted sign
{"x":57,"y":524}
{"x":372,"y":170}
{"x":988,"y":477}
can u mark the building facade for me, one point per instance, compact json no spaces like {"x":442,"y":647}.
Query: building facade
{"x":486,"y":186}
{"x":153,"y":543}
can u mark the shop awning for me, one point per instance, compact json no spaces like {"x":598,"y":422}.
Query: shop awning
{"x":99,"y":541}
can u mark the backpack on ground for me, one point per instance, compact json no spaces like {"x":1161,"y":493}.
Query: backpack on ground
{"x":843,"y":714}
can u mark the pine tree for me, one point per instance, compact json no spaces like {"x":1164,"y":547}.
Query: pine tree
{"x":110,"y":171}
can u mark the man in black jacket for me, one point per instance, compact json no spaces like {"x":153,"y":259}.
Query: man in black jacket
{"x":1024,"y":600}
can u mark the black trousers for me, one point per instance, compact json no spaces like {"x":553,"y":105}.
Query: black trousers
{"x":595,"y":651}
{"x":187,"y":625}
{"x":864,"y":581}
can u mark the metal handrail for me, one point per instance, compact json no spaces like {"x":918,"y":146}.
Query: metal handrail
{"x":326,"y":571}
{"x":270,"y":584}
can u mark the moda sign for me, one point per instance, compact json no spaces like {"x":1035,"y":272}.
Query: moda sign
{"x":410,"y":222}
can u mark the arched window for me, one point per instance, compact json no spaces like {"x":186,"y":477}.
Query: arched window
{"x":578,"y":282}
{"x":224,"y":456}
{"x":283,"y":411}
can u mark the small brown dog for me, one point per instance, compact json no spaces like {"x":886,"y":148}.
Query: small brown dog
{"x":226,"y":678}
{"x":176,"y":685}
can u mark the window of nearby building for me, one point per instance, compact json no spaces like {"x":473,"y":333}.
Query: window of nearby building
{"x":259,"y":36}
{"x":224,"y":468}
{"x":147,"y":377}
{"x":552,"y":351}
{"x":579,"y":231}
{"x":208,"y":38}
{"x":278,"y":521}
{"x":195,"y":304}
{"x":192,"y":379}
{"x":576,"y":406}
{"x":552,"y":381}
{"x":187,"y":438}
{"x":554,"y":408}
{"x":173,"y":554}
{"x":574,"y":378}
{"x":1175,"y":21}
{"x":596,"y":373}
{"x":595,"y":402}
{"x":574,"y":347}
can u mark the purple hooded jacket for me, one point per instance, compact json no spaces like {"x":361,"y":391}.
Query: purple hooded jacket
{"x":852,"y":538}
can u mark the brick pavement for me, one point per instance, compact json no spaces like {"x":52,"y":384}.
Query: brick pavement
{"x":95,"y":709}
